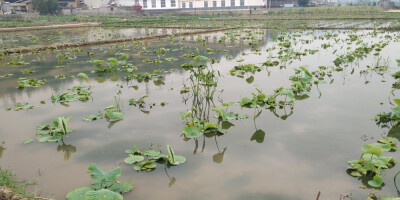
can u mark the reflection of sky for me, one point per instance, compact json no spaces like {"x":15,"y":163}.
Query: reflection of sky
{"x":301,"y":156}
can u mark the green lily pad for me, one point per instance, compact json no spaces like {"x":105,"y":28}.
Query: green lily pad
{"x":122,"y":187}
{"x":376,"y":181}
{"x":78,"y":194}
{"x":103,"y":194}
{"x":133,"y":159}
{"x":191,"y":131}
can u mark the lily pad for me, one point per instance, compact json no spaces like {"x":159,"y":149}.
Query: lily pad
{"x":133,"y":159}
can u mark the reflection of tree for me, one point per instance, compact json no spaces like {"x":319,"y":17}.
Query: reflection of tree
{"x":67,"y":149}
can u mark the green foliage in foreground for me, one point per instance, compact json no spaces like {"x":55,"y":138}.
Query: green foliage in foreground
{"x":104,"y":186}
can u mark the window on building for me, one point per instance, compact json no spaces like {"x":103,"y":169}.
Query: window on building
{"x":205,"y":4}
{"x":241,"y":2}
{"x":232,"y":3}
{"x":183,"y":5}
{"x":136,"y":2}
{"x":214,"y":3}
{"x":162,"y":3}
{"x":144,"y":3}
{"x":173,"y":3}
{"x":222,"y":3}
{"x":153,"y":3}
{"x":190,"y":4}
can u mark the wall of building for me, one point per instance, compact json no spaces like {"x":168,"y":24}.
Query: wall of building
{"x":96,"y":3}
{"x":221,"y":4}
{"x":151,"y":4}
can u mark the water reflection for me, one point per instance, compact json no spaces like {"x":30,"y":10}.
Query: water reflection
{"x":259,"y":134}
{"x":172,"y":180}
{"x":68,"y":150}
{"x":2,"y":149}
{"x":219,"y":157}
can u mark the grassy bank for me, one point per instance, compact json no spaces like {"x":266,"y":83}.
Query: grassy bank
{"x":13,"y":187}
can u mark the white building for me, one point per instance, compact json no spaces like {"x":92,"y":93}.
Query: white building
{"x":221,"y":4}
{"x":96,"y":3}
{"x":151,"y":4}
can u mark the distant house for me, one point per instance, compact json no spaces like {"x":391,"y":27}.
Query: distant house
{"x":152,"y":4}
{"x":96,"y":3}
{"x":68,"y":4}
{"x":221,"y":4}
{"x":21,"y":6}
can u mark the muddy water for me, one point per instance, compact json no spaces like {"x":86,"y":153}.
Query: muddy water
{"x":304,"y":151}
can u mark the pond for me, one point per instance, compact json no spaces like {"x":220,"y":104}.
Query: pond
{"x":294,"y":150}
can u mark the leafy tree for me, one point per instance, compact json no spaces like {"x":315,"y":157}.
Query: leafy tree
{"x":303,"y":2}
{"x":47,"y":7}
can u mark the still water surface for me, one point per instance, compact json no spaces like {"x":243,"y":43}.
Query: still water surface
{"x":301,"y":154}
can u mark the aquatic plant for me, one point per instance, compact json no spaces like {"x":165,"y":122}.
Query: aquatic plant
{"x":81,"y":93}
{"x":23,"y":106}
{"x":30,"y":83}
{"x":104,"y":186}
{"x":55,"y":133}
{"x":93,"y":117}
{"x":136,"y":156}
{"x":372,"y":163}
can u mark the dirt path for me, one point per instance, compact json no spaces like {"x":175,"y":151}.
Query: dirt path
{"x":58,"y":26}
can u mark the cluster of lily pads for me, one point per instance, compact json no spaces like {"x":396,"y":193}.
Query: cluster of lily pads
{"x":372,"y":163}
{"x":55,"y":133}
{"x":153,"y":156}
{"x":30,"y":83}
{"x":81,"y":93}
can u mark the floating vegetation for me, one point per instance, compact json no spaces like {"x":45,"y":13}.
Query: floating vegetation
{"x":104,"y":186}
{"x":136,"y":156}
{"x":60,"y":76}
{"x":113,"y":112}
{"x":17,"y":61}
{"x":268,"y":101}
{"x":195,"y":128}
{"x":55,"y":133}
{"x":223,"y":115}
{"x":93,"y":117}
{"x":81,"y":93}
{"x":240,"y":70}
{"x":30,"y":83}
{"x":23,"y":106}
{"x":27,"y":71}
{"x":83,"y":76}
{"x":372,"y":162}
